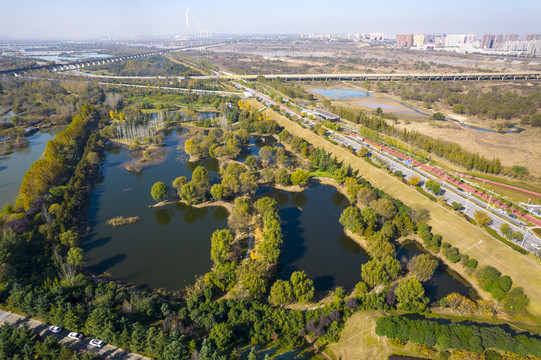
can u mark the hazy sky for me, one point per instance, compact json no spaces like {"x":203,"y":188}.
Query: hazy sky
{"x":91,"y":19}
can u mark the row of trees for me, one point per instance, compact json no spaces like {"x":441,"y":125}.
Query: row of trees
{"x":457,"y":336}
{"x":448,"y":150}
{"x":59,"y":153}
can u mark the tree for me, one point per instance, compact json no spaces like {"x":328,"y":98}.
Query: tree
{"x":415,"y":180}
{"x":248,"y":183}
{"x":375,"y":272}
{"x":384,"y":208}
{"x":433,"y":186}
{"x":158,"y":191}
{"x":241,"y":215}
{"x":220,"y":243}
{"x":299,"y":177}
{"x":282,"y":177}
{"x":422,"y":267}
{"x":188,"y":194}
{"x":266,"y":154}
{"x":515,"y":300}
{"x":410,"y":295}
{"x":251,"y":162}
{"x":281,"y":293}
{"x":437,"y":116}
{"x":200,"y":180}
{"x":217,"y":191}
{"x":179,"y":182}
{"x":221,"y":334}
{"x":76,"y":257}
{"x":366,"y":196}
{"x":482,"y":218}
{"x":351,"y":219}
{"x":340,"y":175}
{"x":302,"y":286}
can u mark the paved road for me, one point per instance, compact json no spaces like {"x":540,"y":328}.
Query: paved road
{"x":450,"y":193}
{"x":107,"y":352}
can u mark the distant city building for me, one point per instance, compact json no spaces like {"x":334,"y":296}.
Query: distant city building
{"x":488,"y":41}
{"x":529,"y":37}
{"x":404,"y":40}
{"x":418,"y":40}
{"x":459,"y":40}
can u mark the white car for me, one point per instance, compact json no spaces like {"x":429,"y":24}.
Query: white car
{"x":536,"y":246}
{"x":468,"y":194}
{"x":75,"y":336}
{"x":55,"y":329}
{"x":502,"y":211}
{"x":96,"y":343}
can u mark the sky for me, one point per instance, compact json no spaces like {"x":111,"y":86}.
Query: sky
{"x":123,"y":19}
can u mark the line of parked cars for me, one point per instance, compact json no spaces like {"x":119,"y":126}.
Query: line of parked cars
{"x":77,"y":336}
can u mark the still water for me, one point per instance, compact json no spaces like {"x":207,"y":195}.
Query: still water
{"x":170,"y":245}
{"x":13,"y":166}
{"x":444,"y":281}
{"x":314,"y":240}
{"x":341,"y":94}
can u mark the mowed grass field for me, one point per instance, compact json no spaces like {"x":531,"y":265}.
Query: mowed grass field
{"x":359,"y":340}
{"x":524,"y":271}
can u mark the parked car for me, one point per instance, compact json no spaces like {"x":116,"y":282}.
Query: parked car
{"x":55,"y":329}
{"x":75,"y":336}
{"x":459,"y":189}
{"x":96,"y":343}
{"x":536,"y":246}
{"x":502,"y":211}
{"x":468,"y":194}
{"x":512,"y":216}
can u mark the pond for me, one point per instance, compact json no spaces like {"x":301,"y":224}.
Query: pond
{"x":256,"y":143}
{"x":444,"y":281}
{"x":171,"y":244}
{"x":13,"y":166}
{"x":314,"y":240}
{"x":341,"y":94}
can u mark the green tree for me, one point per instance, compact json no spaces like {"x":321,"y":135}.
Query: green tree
{"x":375,"y":272}
{"x":366,"y":196}
{"x":384,"y":208}
{"x":302,"y":286}
{"x":299,"y":177}
{"x":158,"y":191}
{"x":482,"y":218}
{"x":515,"y":300}
{"x":217,"y":191}
{"x":281,"y":293}
{"x":221,"y":334}
{"x":410,"y":295}
{"x":251,"y":162}
{"x":200,"y":179}
{"x":188,"y":194}
{"x":351,"y":219}
{"x":220,"y":243}
{"x":266,"y":154}
{"x":76,"y":257}
{"x":423,"y":266}
{"x":282,"y":177}
{"x":179,"y":182}
{"x":433,"y":186}
{"x":339,"y":175}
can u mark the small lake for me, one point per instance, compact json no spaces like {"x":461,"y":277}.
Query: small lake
{"x":13,"y":166}
{"x":341,"y":94}
{"x":256,"y":143}
{"x":444,"y":281}
{"x":314,"y":240}
{"x":171,"y":244}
